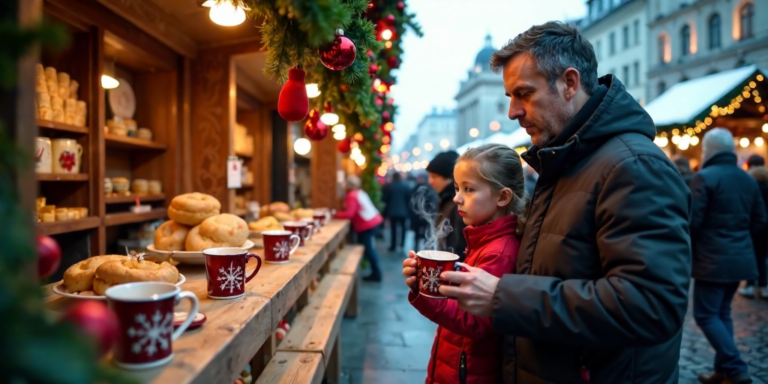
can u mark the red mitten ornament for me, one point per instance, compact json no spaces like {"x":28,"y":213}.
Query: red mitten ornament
{"x":293,"y":103}
{"x":339,"y":54}
{"x":314,"y":128}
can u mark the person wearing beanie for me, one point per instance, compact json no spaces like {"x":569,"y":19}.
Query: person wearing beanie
{"x":755,"y":161}
{"x":440,"y":171}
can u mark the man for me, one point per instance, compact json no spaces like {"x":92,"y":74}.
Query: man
{"x":396,"y":200}
{"x":727,"y":209}
{"x":600,"y":291}
{"x":440,"y":171}
{"x":759,"y":288}
{"x":419,"y":225}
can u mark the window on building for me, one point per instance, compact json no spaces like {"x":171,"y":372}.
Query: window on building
{"x":636,"y":69}
{"x":502,"y":108}
{"x":661,"y":87}
{"x":612,"y":43}
{"x":598,"y":50}
{"x":636,"y":31}
{"x":625,"y":37}
{"x":685,"y":40}
{"x":665,"y":53}
{"x":714,"y":31}
{"x":625,"y":74}
{"x":747,"y":15}
{"x":599,"y":7}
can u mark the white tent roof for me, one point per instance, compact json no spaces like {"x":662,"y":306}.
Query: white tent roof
{"x":513,"y":140}
{"x":684,"y":101}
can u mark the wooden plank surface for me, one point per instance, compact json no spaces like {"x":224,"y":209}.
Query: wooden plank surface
{"x":235,"y":329}
{"x":132,"y":198}
{"x":130,"y":217}
{"x":293,"y":368}
{"x":347,"y":262}
{"x":62,"y":176}
{"x":132,"y":143}
{"x":67,"y":226}
{"x":54,"y":126}
{"x":316,"y":327}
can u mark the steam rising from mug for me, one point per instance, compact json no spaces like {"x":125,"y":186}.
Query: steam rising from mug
{"x":425,"y":207}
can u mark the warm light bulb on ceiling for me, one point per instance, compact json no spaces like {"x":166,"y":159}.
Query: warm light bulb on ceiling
{"x":329,"y":118}
{"x":744,"y":142}
{"x":302,"y":146}
{"x":765,"y":127}
{"x":695,"y":140}
{"x":759,"y":141}
{"x":227,"y":14}
{"x":109,"y":82}
{"x":312,"y":91}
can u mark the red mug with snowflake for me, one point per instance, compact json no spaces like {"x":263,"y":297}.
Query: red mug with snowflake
{"x":431,"y":265}
{"x":299,"y":228}
{"x":279,"y":246}
{"x":225,"y":271}
{"x":145,"y":313}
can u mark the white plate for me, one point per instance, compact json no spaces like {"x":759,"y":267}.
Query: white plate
{"x":62,"y":292}
{"x":191,"y":257}
{"x":122,"y":100}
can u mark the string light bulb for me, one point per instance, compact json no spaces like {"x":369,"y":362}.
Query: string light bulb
{"x":226,"y":14}
{"x":744,"y":142}
{"x":109,"y":82}
{"x":313,"y":90}
{"x":759,"y":141}
{"x":302,"y":146}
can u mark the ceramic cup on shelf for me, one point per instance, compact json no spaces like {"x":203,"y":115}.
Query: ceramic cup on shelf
{"x":144,"y":133}
{"x":155,"y":187}
{"x":139,"y":186}
{"x":431,"y":265}
{"x":43,"y":155}
{"x":225,"y":271}
{"x":120,"y":184}
{"x":66,"y":156}
{"x":108,"y":187}
{"x":145,"y":313}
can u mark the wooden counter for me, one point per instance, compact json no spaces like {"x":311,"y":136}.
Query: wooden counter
{"x":235,"y":330}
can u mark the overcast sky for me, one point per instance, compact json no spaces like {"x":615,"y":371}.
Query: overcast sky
{"x":454,"y":32}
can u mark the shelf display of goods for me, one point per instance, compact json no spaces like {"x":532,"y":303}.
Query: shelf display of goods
{"x":56,"y":97}
{"x":50,"y":213}
{"x":196,"y":224}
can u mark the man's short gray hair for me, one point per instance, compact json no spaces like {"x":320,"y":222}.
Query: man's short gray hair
{"x":556,"y":47}
{"x":717,"y":140}
{"x":353,"y":182}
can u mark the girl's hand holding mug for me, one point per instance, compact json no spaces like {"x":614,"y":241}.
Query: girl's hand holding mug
{"x":409,"y":271}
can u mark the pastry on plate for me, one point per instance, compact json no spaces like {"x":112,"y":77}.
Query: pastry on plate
{"x":79,"y":277}
{"x":265,"y":224}
{"x":170,"y":236}
{"x":281,"y":217}
{"x":192,"y":208}
{"x":303,"y":213}
{"x":225,"y":230}
{"x":271,"y":209}
{"x":130,"y":270}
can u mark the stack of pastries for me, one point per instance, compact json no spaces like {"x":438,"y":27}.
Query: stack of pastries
{"x":196,"y":224}
{"x":96,"y":274}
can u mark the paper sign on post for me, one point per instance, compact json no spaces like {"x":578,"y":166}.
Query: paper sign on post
{"x":234,"y":174}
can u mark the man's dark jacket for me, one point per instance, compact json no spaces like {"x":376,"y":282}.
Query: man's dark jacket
{"x":727,"y":210}
{"x":397,"y":200}
{"x":605,"y":261}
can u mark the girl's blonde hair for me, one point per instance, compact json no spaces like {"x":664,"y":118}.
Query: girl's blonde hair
{"x":501,"y":167}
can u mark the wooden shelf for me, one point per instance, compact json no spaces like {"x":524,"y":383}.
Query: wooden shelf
{"x":241,"y":212}
{"x":62,"y":177}
{"x":132,"y":143}
{"x":67,"y":226}
{"x":244,"y":185}
{"x":113,"y":219}
{"x":132,"y":198}
{"x":52,"y":125}
{"x":244,"y":154}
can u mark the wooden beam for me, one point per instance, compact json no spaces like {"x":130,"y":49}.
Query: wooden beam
{"x":326,"y":162}
{"x":152,"y":19}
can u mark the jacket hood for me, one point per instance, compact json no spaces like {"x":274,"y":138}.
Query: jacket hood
{"x":480,"y":235}
{"x":720,"y":158}
{"x":760,"y":174}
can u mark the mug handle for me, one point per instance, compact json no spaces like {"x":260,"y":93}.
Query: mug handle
{"x":310,"y":230}
{"x":258,"y":266}
{"x":295,"y":240}
{"x":190,"y":315}
{"x":79,"y":150}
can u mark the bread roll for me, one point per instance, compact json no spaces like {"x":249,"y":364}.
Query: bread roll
{"x":53,"y":87}
{"x":192,"y":208}
{"x":50,"y":74}
{"x":79,"y":277}
{"x":73,"y":88}
{"x":265,"y":224}
{"x":58,"y":115}
{"x":225,"y":230}
{"x":41,"y":85}
{"x":70,"y":106}
{"x":46,"y":112}
{"x":43,"y":98}
{"x":39,"y":70}
{"x":170,"y":236}
{"x":129,"y":270}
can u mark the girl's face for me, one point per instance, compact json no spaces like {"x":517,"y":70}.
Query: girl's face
{"x":478,"y":203}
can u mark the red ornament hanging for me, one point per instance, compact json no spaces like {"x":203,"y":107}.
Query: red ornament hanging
{"x":379,"y":102}
{"x":293,"y":102}
{"x":48,"y":256}
{"x":94,"y":319}
{"x":343,"y":88}
{"x":344,"y":146}
{"x":390,"y":19}
{"x":393,"y":62}
{"x":339,"y":54}
{"x":385,"y":116}
{"x":314,"y":128}
{"x":372,"y":69}
{"x":400,"y":6}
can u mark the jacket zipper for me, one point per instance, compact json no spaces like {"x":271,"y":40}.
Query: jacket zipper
{"x":463,"y":368}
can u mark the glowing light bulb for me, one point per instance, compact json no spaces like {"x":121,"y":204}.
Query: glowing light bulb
{"x":424,"y":164}
{"x":416,"y":151}
{"x":765,"y":127}
{"x":474,"y":132}
{"x":759,"y":142}
{"x":329,"y":118}
{"x":407,"y":167}
{"x":340,"y":135}
{"x":339,"y":128}
{"x":313,"y":91}
{"x":444,"y":143}
{"x":695,"y":140}
{"x":495,"y":126}
{"x":395,"y":158}
{"x":675,"y":139}
{"x":227,"y":14}
{"x":386,"y":34}
{"x":428,"y":146}
{"x":109,"y":82}
{"x":744,"y":142}
{"x":302,"y":146}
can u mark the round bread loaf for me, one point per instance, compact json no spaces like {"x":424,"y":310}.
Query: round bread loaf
{"x":130,"y":270}
{"x":225,"y":230}
{"x":170,"y":236}
{"x":265,"y":224}
{"x":192,"y":208}
{"x":79,"y":277}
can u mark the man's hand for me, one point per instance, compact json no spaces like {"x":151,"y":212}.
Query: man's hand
{"x":475,"y":289}
{"x":409,"y":271}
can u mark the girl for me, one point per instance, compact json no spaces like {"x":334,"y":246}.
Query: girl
{"x":359,"y":208}
{"x":489,"y":196}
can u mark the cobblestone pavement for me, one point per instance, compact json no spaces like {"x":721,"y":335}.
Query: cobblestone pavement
{"x":390,"y":342}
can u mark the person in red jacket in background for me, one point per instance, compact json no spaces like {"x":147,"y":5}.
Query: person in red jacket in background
{"x":490,"y":191}
{"x":359,"y":208}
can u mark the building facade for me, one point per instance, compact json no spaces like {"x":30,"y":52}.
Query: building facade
{"x":435,"y":133}
{"x":617,"y":31}
{"x":690,"y":39}
{"x":481,"y":104}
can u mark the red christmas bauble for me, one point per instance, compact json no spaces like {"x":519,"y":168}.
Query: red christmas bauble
{"x":393,"y":62}
{"x":339,"y":54}
{"x":95,"y":320}
{"x":48,"y":256}
{"x":293,"y":102}
{"x":372,"y":69}
{"x":344,"y":146}
{"x":400,"y":6}
{"x":315,"y":129}
{"x":343,"y":88}
{"x":390,"y":19}
{"x":385,"y":116}
{"x":379,"y":102}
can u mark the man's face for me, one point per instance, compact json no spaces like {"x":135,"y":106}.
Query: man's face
{"x":437,"y":182}
{"x":541,"y":111}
